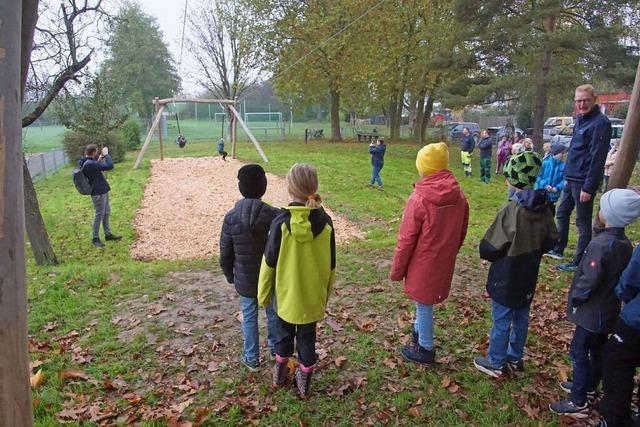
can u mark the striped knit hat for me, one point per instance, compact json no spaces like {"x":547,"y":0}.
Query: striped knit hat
{"x":522,"y":169}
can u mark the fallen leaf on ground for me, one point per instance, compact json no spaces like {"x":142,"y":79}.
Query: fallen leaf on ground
{"x":73,"y":374}
{"x":414,"y":411}
{"x":37,"y":379}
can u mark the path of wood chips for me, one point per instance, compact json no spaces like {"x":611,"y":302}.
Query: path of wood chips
{"x":184,"y":204}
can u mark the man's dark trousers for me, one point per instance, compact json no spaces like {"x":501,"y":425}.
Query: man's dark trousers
{"x":621,"y":358}
{"x":569,"y":199}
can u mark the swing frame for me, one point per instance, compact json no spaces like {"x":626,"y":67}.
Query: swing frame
{"x":160,"y":105}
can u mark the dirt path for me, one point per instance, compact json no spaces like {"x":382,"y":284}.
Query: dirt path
{"x":185,"y":202}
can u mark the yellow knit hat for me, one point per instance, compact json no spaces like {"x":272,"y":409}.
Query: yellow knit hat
{"x":432,"y":158}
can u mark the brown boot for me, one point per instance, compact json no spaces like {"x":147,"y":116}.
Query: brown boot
{"x":303,"y":380}
{"x":280,"y":371}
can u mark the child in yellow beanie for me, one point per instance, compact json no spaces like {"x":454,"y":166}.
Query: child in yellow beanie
{"x":432,"y":230}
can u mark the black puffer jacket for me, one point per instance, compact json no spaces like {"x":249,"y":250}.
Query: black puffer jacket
{"x":242,"y":242}
{"x":593,"y":303}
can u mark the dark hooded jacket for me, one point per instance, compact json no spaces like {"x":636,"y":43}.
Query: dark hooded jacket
{"x":242,"y":242}
{"x":628,"y":290}
{"x":593,"y":303}
{"x":486,"y":146}
{"x":93,"y":170}
{"x":522,"y":231}
{"x":468,"y":143}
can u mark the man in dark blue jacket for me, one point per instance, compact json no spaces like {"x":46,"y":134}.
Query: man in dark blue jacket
{"x":93,"y":164}
{"x":583,"y":174}
{"x":622,"y":352}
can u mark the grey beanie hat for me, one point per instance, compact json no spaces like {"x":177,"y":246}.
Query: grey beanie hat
{"x":620,"y":207}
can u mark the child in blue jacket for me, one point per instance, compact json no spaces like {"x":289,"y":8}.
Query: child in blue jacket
{"x":551,"y":177}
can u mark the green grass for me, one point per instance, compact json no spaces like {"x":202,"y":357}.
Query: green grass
{"x":42,"y":138}
{"x":84,"y":292}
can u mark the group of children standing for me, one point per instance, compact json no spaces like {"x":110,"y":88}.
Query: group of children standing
{"x":285,"y":260}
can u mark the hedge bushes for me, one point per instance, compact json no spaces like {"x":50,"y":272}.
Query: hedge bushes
{"x":130,"y":133}
{"x":75,"y":143}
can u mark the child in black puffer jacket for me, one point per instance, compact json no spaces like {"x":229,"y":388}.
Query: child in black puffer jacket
{"x":242,"y":243}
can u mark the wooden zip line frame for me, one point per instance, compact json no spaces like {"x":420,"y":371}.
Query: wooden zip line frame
{"x":235,"y":119}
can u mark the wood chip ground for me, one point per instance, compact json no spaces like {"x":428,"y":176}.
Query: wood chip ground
{"x":184,"y":204}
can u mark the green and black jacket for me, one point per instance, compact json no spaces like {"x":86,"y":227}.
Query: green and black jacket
{"x":298,"y":267}
{"x":522,"y":231}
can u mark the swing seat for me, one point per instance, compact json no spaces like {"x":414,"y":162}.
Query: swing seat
{"x":181,"y":141}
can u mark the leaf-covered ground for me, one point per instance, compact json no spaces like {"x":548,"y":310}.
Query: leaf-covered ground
{"x":118,"y":342}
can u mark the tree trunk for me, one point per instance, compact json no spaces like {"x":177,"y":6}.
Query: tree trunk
{"x":417,"y":125}
{"x":319,"y":113}
{"x":427,"y":117}
{"x":630,"y":144}
{"x":335,"y":116}
{"x":15,"y":393}
{"x":399,"y":110}
{"x":36,"y":230}
{"x":393,"y":119}
{"x":542,"y":86}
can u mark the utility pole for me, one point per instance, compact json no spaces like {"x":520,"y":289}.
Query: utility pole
{"x":15,"y":393}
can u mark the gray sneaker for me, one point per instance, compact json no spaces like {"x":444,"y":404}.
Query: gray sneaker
{"x":482,"y":364}
{"x":567,"y":267}
{"x":554,"y":254}
{"x":569,"y":408}
{"x":251,"y":365}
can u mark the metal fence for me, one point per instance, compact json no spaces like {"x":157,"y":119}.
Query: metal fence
{"x":41,"y":165}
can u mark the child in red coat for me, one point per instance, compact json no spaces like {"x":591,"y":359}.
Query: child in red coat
{"x":432,"y":231}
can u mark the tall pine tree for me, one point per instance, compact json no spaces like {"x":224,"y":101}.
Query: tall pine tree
{"x":139,"y":65}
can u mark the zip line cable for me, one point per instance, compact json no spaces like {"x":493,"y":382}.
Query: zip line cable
{"x":184,"y":25}
{"x":325,"y":41}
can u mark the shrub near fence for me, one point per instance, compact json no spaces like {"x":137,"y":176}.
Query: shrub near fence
{"x":44,"y":164}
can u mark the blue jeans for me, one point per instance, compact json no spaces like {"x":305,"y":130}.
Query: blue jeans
{"x":508,"y":334}
{"x":424,"y":325}
{"x":375,"y":174}
{"x":569,"y":199}
{"x":251,"y":347}
{"x":586,"y":358}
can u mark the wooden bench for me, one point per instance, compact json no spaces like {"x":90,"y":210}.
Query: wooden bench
{"x":364,"y":136}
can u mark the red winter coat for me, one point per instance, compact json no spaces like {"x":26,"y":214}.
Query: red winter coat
{"x":433,"y":228}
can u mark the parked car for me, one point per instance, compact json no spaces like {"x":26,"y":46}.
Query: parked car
{"x":554,"y":125}
{"x":456,"y":130}
{"x":564,"y":137}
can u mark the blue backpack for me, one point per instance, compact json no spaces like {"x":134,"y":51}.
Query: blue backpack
{"x":81,"y":181}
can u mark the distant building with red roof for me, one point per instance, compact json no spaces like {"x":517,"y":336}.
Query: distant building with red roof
{"x":609,"y":102}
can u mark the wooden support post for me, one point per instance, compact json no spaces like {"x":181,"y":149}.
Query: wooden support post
{"x":630,"y":144}
{"x":253,"y":139}
{"x":234,"y":136}
{"x":147,"y":140}
{"x":15,"y":392}
{"x":155,"y":101}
